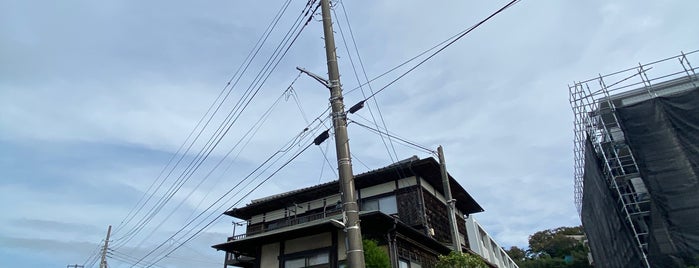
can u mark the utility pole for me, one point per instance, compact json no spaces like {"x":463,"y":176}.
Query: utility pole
{"x":355,"y":251}
{"x":103,"y":263}
{"x":451,"y":203}
{"x":75,"y":266}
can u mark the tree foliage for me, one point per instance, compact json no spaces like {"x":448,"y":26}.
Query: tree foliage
{"x":374,"y":256}
{"x":517,"y":254}
{"x":460,"y":260}
{"x":555,"y":242}
{"x":560,"y":247}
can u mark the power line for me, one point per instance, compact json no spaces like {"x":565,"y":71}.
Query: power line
{"x":260,"y":167}
{"x":223,"y":196}
{"x":250,"y":133}
{"x":393,"y":157}
{"x":327,"y":161}
{"x":286,"y":149}
{"x":246,"y":195}
{"x":94,"y":254}
{"x":405,"y":141}
{"x":361,"y":162}
{"x":294,"y":95}
{"x":464,"y":33}
{"x":225,"y":126}
{"x":244,"y":65}
{"x":123,"y":257}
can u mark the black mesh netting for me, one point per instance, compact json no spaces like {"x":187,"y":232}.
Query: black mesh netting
{"x":663,"y":134}
{"x":610,"y":238}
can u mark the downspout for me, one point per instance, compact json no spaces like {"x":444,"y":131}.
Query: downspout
{"x":392,"y":246}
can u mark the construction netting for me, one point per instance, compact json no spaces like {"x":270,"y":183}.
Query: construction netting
{"x":610,"y":237}
{"x":663,"y":134}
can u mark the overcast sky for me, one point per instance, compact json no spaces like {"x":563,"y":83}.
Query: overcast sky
{"x":97,"y":96}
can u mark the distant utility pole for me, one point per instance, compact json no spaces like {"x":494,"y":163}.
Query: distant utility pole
{"x":451,"y":202}
{"x":355,"y":251}
{"x":103,"y":263}
{"x":75,"y":266}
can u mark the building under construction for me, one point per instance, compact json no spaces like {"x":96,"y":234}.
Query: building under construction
{"x":637,"y":163}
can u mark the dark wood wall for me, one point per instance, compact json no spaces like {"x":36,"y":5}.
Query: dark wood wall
{"x":410,"y":206}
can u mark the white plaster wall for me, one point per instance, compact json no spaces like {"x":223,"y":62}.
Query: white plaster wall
{"x":256,"y":219}
{"x":407,"y":182}
{"x":316,"y":204}
{"x":270,"y":254}
{"x":274,"y":215}
{"x":427,"y":186}
{"x":378,"y":189}
{"x":308,"y":242}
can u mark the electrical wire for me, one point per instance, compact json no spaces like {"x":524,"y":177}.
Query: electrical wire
{"x":360,"y":161}
{"x":394,"y":156}
{"x":236,"y":203}
{"x":464,"y":33}
{"x":123,"y":257}
{"x":239,"y":200}
{"x":244,"y":65}
{"x":247,"y":98}
{"x":260,"y":167}
{"x":225,"y":126}
{"x":94,"y":253}
{"x":293,"y":94}
{"x":327,"y":161}
{"x":405,"y":141}
{"x":249,"y":134}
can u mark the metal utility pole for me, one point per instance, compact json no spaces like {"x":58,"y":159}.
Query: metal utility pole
{"x":103,"y":263}
{"x":451,"y":203}
{"x":355,"y":251}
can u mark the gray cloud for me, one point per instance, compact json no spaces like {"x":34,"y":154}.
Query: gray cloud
{"x":99,"y":95}
{"x":54,"y":226}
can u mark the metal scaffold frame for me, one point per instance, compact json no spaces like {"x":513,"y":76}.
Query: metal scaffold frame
{"x":593,"y":102}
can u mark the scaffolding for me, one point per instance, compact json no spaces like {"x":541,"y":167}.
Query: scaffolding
{"x":594,"y":101}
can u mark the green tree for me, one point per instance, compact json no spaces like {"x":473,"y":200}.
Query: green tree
{"x":553,"y":248}
{"x":460,"y":260}
{"x":556,"y":243}
{"x":374,"y":256}
{"x":517,"y":254}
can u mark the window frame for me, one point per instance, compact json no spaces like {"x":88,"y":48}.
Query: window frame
{"x":377,"y":200}
{"x":306,"y":255}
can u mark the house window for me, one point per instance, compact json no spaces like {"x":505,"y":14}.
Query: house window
{"x":319,"y":260}
{"x":386,"y":204}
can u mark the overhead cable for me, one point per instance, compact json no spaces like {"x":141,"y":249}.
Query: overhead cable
{"x":464,"y":33}
{"x":224,"y":127}
{"x":228,"y":87}
{"x":394,"y":156}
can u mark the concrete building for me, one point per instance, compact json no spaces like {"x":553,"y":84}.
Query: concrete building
{"x":402,"y":207}
{"x":636,"y":164}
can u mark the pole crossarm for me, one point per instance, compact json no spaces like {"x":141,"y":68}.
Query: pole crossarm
{"x":323,"y":81}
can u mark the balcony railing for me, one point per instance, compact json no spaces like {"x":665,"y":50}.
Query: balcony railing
{"x":285,"y":222}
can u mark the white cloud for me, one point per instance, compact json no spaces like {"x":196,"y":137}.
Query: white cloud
{"x":102,"y":94}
